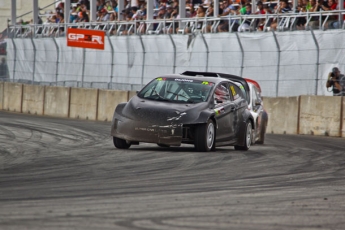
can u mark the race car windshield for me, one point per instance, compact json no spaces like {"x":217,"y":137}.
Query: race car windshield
{"x":177,"y":90}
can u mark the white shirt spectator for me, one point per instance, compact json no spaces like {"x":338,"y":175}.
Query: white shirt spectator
{"x":134,"y":3}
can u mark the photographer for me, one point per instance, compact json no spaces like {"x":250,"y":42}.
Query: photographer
{"x":337,"y":81}
{"x":3,"y":69}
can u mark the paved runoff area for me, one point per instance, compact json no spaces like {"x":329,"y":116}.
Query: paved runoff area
{"x":66,"y":174}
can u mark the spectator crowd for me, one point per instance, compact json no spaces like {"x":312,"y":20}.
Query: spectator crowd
{"x":136,"y":10}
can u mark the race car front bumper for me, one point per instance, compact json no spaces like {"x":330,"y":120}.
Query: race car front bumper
{"x":136,"y":131}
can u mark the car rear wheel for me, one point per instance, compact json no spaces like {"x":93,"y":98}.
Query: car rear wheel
{"x":205,"y":137}
{"x":120,"y":143}
{"x":253,"y":136}
{"x":248,"y":137}
{"x":262,"y":134}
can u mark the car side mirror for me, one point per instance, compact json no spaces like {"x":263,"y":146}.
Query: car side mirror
{"x":136,"y":92}
{"x":258,"y":102}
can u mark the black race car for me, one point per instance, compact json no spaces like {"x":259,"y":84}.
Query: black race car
{"x":200,"y":108}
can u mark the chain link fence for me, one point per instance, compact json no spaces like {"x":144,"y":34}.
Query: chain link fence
{"x":285,"y":63}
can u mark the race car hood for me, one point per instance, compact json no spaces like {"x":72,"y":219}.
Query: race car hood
{"x":162,"y":112}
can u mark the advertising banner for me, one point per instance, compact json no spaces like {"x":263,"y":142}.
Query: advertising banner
{"x":83,"y":38}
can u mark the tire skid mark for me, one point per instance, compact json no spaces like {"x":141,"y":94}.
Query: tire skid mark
{"x":68,"y":174}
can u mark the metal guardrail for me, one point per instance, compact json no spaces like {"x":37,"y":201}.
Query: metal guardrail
{"x":284,"y":22}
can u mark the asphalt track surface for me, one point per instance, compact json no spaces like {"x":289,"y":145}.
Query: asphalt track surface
{"x":66,"y":174}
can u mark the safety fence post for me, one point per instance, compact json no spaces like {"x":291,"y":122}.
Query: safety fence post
{"x":207,"y":50}
{"x":83,"y":69}
{"x":15,"y":58}
{"x":174,"y":46}
{"x":112,"y":63}
{"x":143,"y":65}
{"x":57,"y":60}
{"x":34,"y":62}
{"x":242,"y":51}
{"x":278,"y":61}
{"x":317,"y":59}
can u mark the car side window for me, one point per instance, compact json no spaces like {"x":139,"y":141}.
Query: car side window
{"x":221,"y":93}
{"x":235,"y":91}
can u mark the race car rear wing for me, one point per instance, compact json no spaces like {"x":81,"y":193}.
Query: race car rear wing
{"x":231,"y":77}
{"x":254,"y":83}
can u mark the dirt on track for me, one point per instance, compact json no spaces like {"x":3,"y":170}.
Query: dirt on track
{"x":66,"y":174}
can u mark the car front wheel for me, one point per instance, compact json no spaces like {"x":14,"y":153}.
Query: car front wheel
{"x":120,"y":143}
{"x":205,"y":137}
{"x":248,"y":137}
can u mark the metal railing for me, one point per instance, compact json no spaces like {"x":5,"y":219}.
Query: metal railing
{"x":284,"y":22}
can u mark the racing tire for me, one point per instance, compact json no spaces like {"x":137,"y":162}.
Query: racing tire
{"x":163,"y":145}
{"x":204,"y":137}
{"x":120,"y":143}
{"x":247,"y":139}
{"x":262,"y":135}
{"x":253,"y":137}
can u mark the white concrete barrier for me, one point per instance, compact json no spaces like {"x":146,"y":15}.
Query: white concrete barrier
{"x":131,"y":94}
{"x":12,"y":100}
{"x":56,"y":101}
{"x":282,"y":114}
{"x":312,"y":115}
{"x":107,"y":102}
{"x":33,"y":99}
{"x":83,"y":103}
{"x":320,"y":115}
{"x":1,"y":95}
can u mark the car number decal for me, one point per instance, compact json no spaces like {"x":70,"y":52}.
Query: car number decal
{"x":234,"y":92}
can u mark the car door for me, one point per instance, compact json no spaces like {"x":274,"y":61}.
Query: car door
{"x":224,"y":109}
{"x":240,"y":104}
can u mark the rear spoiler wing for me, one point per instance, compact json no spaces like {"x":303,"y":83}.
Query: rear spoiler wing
{"x":254,"y":83}
{"x":231,"y":77}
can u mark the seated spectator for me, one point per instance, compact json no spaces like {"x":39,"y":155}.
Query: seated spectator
{"x":73,"y":15}
{"x":224,"y":24}
{"x":303,"y":6}
{"x":200,"y":13}
{"x":52,"y":19}
{"x":175,"y":4}
{"x":135,"y":14}
{"x":112,"y":16}
{"x":82,"y":17}
{"x":114,"y":5}
{"x":108,"y":6}
{"x":316,"y":6}
{"x":246,"y":10}
{"x":60,"y":18}
{"x":284,"y":8}
{"x":143,"y":11}
{"x":260,"y":10}
{"x":104,"y":15}
{"x":332,"y":20}
{"x":191,"y":13}
{"x":161,"y":12}
{"x":209,"y":13}
{"x":4,"y":74}
{"x":336,"y":24}
{"x":99,"y":5}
